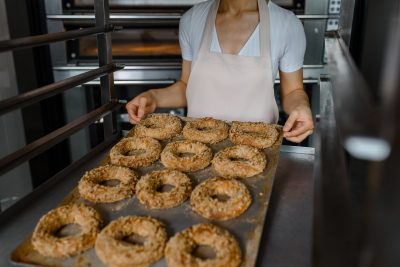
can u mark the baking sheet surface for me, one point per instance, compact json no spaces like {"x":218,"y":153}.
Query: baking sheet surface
{"x":247,"y":228}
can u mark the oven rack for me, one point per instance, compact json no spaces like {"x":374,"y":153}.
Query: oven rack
{"x":105,"y":71}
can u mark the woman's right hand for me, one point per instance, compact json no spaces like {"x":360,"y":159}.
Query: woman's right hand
{"x":140,"y":106}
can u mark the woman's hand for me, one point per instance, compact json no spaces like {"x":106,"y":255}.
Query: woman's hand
{"x":299,"y":125}
{"x":140,"y":106}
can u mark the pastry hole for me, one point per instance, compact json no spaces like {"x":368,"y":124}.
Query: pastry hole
{"x":235,"y":159}
{"x":253,"y":133}
{"x":221,"y":197}
{"x":71,"y":229}
{"x":186,"y":155}
{"x":135,"y":152}
{"x":134,"y":239}
{"x":152,"y":126}
{"x":203,"y":128}
{"x":110,"y":182}
{"x":204,"y":252}
{"x":165,"y":188}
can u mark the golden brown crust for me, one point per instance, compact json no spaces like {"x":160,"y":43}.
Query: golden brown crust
{"x":173,"y":156}
{"x":146,"y":189}
{"x":178,"y":251}
{"x":91,"y":184}
{"x":159,"y":126}
{"x":135,"y":152}
{"x":48,"y":244}
{"x":115,"y":252}
{"x":239,"y":162}
{"x":258,"y":134}
{"x":204,"y":199}
{"x":206,"y":130}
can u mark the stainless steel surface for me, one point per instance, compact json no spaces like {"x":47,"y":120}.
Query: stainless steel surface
{"x":159,"y":16}
{"x":37,"y":40}
{"x":316,"y":16}
{"x":161,"y":71}
{"x":346,"y":20}
{"x":316,"y":7}
{"x":42,"y":144}
{"x":287,"y":236}
{"x":357,"y":116}
{"x":137,"y":82}
{"x":298,"y":150}
{"x":286,"y":239}
{"x":315,"y":35}
{"x":315,"y":31}
{"x":44,"y":92}
{"x":332,"y":202}
{"x":137,"y":66}
{"x":137,"y":16}
{"x":143,"y":2}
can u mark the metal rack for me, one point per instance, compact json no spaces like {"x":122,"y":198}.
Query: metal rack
{"x":105,"y":71}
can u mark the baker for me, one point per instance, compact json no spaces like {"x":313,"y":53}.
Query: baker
{"x":232,"y":51}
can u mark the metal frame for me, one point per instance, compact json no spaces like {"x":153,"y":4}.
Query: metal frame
{"x":332,"y":214}
{"x":358,"y":117}
{"x":102,"y":13}
{"x":105,"y":72}
{"x":32,"y":41}
{"x":44,"y":92}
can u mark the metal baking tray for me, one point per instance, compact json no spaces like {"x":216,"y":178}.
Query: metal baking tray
{"x":246,"y":228}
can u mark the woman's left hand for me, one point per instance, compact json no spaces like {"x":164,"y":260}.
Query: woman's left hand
{"x":299,"y":125}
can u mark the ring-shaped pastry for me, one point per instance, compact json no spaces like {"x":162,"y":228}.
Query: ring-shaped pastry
{"x":160,"y":126}
{"x":179,"y":249}
{"x":258,"y":134}
{"x":206,"y":130}
{"x":149,"y":184}
{"x":135,"y":152}
{"x":46,"y":241}
{"x":220,"y":199}
{"x":239,"y":162}
{"x":115,"y":248}
{"x":92,"y":184}
{"x":186,"y":156}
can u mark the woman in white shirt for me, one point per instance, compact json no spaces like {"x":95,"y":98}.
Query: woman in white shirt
{"x":232,"y":51}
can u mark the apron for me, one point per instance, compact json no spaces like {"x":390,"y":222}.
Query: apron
{"x":233,"y":87}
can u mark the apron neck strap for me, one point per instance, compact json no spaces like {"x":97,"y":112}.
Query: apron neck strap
{"x":264,"y":27}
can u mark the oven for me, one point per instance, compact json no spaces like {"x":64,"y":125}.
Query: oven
{"x":148,"y":45}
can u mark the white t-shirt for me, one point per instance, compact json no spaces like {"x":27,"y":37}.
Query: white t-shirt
{"x":288,"y":41}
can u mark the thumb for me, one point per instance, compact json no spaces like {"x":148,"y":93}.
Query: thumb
{"x":142,"y":106}
{"x":290,"y":122}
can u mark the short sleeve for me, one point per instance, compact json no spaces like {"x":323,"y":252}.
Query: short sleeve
{"x":184,"y":36}
{"x":295,"y":46}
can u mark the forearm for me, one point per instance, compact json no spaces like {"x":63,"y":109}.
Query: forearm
{"x":295,"y":99}
{"x":173,"y":96}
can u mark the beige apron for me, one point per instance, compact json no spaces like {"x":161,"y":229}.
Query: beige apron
{"x":232,"y":87}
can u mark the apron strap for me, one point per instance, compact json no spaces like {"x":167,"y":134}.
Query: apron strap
{"x":264,"y":29}
{"x":207,"y":33}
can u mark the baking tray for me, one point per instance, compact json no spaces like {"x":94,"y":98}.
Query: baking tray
{"x":246,"y":228}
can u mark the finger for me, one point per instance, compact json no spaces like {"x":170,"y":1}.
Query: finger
{"x":299,"y":128}
{"x":132,"y":111}
{"x":290,"y":122}
{"x":300,"y":138}
{"x":142,"y":107}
